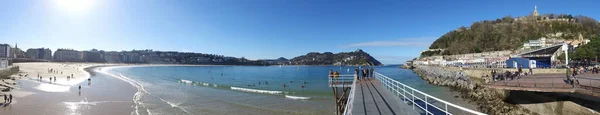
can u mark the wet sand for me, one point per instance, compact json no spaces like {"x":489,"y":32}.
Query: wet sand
{"x":104,"y":95}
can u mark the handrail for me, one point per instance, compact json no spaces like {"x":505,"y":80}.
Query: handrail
{"x":393,"y":85}
{"x":349,"y":103}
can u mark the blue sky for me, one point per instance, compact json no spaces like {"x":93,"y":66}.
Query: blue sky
{"x":392,"y":30}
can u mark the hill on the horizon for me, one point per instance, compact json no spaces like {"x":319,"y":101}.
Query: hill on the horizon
{"x":510,"y":33}
{"x":357,"y":57}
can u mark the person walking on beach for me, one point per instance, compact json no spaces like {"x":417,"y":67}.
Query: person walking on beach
{"x":79,"y":88}
{"x":10,"y":98}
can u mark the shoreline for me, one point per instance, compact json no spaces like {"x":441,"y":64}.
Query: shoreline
{"x":63,"y":95}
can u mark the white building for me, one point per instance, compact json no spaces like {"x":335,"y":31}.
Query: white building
{"x":542,"y":42}
{"x":3,"y":63}
{"x":5,"y":51}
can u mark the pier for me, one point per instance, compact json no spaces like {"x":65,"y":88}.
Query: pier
{"x":381,"y":95}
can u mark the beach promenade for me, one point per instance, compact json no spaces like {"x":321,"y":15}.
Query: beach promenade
{"x":589,"y":84}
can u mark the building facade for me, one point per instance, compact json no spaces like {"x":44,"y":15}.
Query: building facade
{"x":5,"y":51}
{"x":67,"y":55}
{"x":39,"y":53}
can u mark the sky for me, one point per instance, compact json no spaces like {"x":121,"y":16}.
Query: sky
{"x":392,"y":31}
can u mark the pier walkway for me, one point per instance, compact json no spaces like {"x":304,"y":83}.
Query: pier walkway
{"x":589,"y":84}
{"x":372,"y":99}
{"x":381,"y":95}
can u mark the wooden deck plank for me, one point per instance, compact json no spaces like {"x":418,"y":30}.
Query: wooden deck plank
{"x":372,"y":99}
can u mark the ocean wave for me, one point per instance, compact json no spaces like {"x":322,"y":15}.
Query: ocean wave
{"x":174,"y":105}
{"x":186,"y":81}
{"x":256,"y":90}
{"x":297,"y":97}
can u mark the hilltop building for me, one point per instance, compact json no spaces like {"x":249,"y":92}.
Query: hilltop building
{"x":535,"y":16}
{"x":39,"y":53}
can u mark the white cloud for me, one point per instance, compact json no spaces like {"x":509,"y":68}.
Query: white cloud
{"x":401,"y":42}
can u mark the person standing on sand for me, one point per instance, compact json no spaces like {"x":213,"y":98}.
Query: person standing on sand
{"x":5,"y":99}
{"x":10,"y":98}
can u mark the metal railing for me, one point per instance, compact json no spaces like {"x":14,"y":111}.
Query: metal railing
{"x":349,"y":103}
{"x":409,"y":94}
{"x":341,"y":81}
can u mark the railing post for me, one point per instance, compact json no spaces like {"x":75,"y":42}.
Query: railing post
{"x":426,"y":103}
{"x":404,"y":91}
{"x":446,"y":108}
{"x":413,"y":98}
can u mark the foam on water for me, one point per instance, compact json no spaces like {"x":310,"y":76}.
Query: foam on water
{"x":256,"y":90}
{"x":174,"y":105}
{"x":186,"y":81}
{"x":137,"y":96}
{"x":296,"y":97}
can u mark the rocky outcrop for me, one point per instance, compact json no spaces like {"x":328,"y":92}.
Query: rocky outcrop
{"x":488,"y":100}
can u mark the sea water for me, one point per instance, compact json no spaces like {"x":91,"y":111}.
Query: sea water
{"x":247,"y":89}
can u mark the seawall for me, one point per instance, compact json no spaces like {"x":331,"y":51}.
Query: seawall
{"x":468,"y":82}
{"x":488,"y":100}
{"x":6,"y":72}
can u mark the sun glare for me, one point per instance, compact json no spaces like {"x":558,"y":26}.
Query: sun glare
{"x":76,"y":6}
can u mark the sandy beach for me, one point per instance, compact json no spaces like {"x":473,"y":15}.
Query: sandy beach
{"x":61,"y":95}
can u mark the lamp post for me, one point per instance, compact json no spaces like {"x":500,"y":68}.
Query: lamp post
{"x":565,"y":48}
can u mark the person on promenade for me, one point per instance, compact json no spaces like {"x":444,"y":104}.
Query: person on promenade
{"x":331,"y":73}
{"x":5,"y":99}
{"x":79,"y":88}
{"x":372,"y":70}
{"x":493,"y":75}
{"x":356,"y":73}
{"x":568,"y":75}
{"x":530,"y":71}
{"x":10,"y":98}
{"x":520,"y":70}
{"x":336,"y":74}
{"x":364,"y":73}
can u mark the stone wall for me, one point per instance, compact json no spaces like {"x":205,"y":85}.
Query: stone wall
{"x":6,"y":72}
{"x":488,"y":100}
{"x":479,"y":72}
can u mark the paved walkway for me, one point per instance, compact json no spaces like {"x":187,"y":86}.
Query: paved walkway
{"x":589,"y":83}
{"x":370,"y":98}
